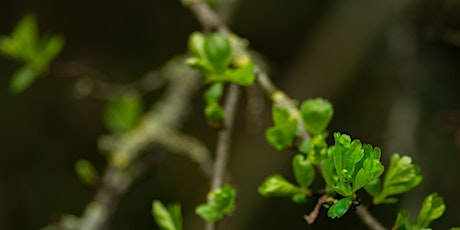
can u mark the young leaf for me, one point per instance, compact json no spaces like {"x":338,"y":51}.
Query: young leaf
{"x":214,"y":113}
{"x":433,"y":207}
{"x":25,"y":35}
{"x":218,"y":52}
{"x":401,"y":177}
{"x":122,"y":113}
{"x":242,"y":76}
{"x":346,"y":156}
{"x":370,"y":168}
{"x":316,"y":114}
{"x":196,"y":44}
{"x":277,"y":186}
{"x":284,"y":131}
{"x":374,"y":187}
{"x":338,"y":209}
{"x":51,"y":48}
{"x":402,"y":221}
{"x":167,"y":218}
{"x":220,"y":202}
{"x":303,"y":170}
{"x":214,"y":92}
{"x":86,"y":171}
{"x":22,"y":79}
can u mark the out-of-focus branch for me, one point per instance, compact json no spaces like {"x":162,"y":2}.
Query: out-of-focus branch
{"x":90,"y":83}
{"x":158,"y":126}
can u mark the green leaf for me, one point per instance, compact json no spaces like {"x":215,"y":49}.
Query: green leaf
{"x":303,"y":170}
{"x":370,"y":167}
{"x":346,"y":156}
{"x":25,"y":35}
{"x":220,"y":202}
{"x":316,"y":114}
{"x":208,"y":212}
{"x":214,"y":113}
{"x":86,"y":171}
{"x":401,"y":177}
{"x":196,"y":44}
{"x":300,"y":197}
{"x":455,"y":228}
{"x":214,"y":92}
{"x":338,"y":209}
{"x":218,"y":52}
{"x":22,"y":79}
{"x":51,"y":48}
{"x":402,"y":221}
{"x":167,"y":218}
{"x":122,"y":113}
{"x":374,"y":187}
{"x":242,"y":76}
{"x":277,"y":186}
{"x":318,"y":148}
{"x":284,"y":131}
{"x":433,"y":207}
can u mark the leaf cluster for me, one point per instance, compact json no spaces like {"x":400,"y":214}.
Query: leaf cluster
{"x":34,"y":52}
{"x":220,"y":202}
{"x":432,"y":208}
{"x":220,"y":59}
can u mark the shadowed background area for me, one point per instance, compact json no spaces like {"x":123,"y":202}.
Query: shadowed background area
{"x":390,"y":68}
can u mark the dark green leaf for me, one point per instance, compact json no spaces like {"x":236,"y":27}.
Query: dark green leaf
{"x":433,"y":207}
{"x":218,"y":52}
{"x":167,"y":218}
{"x":402,"y":221}
{"x":316,"y":114}
{"x":303,"y":170}
{"x":22,"y":79}
{"x":122,"y":113}
{"x":277,"y":186}
{"x":340,"y":208}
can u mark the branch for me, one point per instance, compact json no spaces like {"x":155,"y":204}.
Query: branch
{"x":368,"y":218}
{"x":126,"y":164}
{"x":223,"y":142}
{"x":209,"y":19}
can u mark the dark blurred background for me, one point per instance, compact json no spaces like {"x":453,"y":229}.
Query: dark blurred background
{"x":391,"y":69}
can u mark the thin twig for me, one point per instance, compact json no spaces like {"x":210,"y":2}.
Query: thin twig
{"x":126,"y":167}
{"x":368,"y":218}
{"x":223,"y":142}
